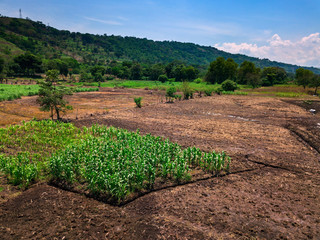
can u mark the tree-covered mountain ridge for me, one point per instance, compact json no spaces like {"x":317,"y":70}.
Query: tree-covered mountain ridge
{"x":18,"y":35}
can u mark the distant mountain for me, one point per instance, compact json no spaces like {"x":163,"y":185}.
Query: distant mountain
{"x":19,"y":35}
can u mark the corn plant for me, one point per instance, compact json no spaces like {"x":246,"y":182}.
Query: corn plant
{"x":117,"y":162}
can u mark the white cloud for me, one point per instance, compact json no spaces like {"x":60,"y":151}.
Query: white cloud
{"x":304,"y":52}
{"x":108,"y":22}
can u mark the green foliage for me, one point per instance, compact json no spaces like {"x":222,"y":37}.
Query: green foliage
{"x":303,"y":77}
{"x":27,"y":64}
{"x":91,"y":89}
{"x":229,"y":85}
{"x":208,"y":92}
{"x":51,"y":96}
{"x":46,"y":41}
{"x":187,"y":90}
{"x":221,"y":70}
{"x":137,"y":100}
{"x":249,"y":74}
{"x":11,"y":92}
{"x":197,"y":80}
{"x":315,"y":83}
{"x":103,"y":160}
{"x":288,"y":94}
{"x":28,"y":145}
{"x":116,"y":162}
{"x":171,"y":93}
{"x":163,"y":78}
{"x":273,"y":75}
{"x":233,"y":93}
{"x":1,"y":64}
{"x":85,"y":77}
{"x":19,"y":169}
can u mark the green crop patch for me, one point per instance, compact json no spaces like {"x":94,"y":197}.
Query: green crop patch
{"x":116,"y":163}
{"x":11,"y":92}
{"x":109,"y":163}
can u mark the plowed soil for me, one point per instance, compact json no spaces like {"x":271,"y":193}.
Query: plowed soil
{"x":272,"y":192}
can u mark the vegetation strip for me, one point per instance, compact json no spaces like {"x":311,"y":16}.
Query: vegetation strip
{"x":109,"y":162}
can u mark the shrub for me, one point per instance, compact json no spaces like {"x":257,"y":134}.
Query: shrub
{"x":197,"y":80}
{"x":208,"y":92}
{"x":229,"y":85}
{"x":110,"y":78}
{"x":137,"y":100}
{"x":178,"y":96}
{"x":170,"y":93}
{"x":163,"y":78}
{"x":187,"y":91}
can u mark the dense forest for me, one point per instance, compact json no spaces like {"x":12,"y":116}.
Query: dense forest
{"x":24,"y":35}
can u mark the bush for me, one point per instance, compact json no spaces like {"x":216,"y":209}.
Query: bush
{"x":229,"y":85}
{"x":137,"y":100}
{"x":178,"y":96}
{"x":109,"y":78}
{"x":163,"y":78}
{"x":171,"y":93}
{"x":187,"y":91}
{"x":218,"y":91}
{"x":198,"y":80}
{"x":208,"y":92}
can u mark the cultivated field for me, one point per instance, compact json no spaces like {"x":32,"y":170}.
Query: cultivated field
{"x":271,"y":192}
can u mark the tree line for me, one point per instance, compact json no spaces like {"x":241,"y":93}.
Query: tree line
{"x":219,"y":70}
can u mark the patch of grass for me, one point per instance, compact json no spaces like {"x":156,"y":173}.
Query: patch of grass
{"x":289,"y":94}
{"x":83,"y":89}
{"x":11,"y":92}
{"x":233,"y":93}
{"x":203,"y":86}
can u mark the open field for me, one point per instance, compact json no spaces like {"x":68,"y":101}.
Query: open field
{"x":272,"y":190}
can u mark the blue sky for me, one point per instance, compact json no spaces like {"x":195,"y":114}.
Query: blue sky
{"x":283,"y":30}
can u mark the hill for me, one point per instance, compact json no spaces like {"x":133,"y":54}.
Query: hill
{"x":17,"y":35}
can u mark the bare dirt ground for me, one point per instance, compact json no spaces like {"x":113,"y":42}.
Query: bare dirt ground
{"x":272,"y":192}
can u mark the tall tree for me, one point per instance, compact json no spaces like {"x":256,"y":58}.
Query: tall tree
{"x":231,"y":69}
{"x":136,"y":71}
{"x":303,"y":77}
{"x":248,"y":74}
{"x":273,"y":75}
{"x":28,"y":63}
{"x":51,"y":95}
{"x":315,"y":83}
{"x":216,"y":71}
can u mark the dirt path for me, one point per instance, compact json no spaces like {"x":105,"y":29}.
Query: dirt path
{"x":273,"y":191}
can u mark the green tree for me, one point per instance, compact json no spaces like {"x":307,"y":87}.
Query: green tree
{"x":2,"y":74}
{"x":229,"y":85}
{"x":51,"y":95}
{"x":190,"y":73}
{"x":97,"y":70}
{"x":156,"y":70}
{"x":230,"y":69}
{"x":179,"y":73}
{"x":248,"y":74}
{"x":163,"y":78}
{"x":136,"y":71}
{"x":28,"y":63}
{"x":216,"y":71}
{"x":1,"y":64}
{"x":303,"y":77}
{"x":315,"y":83}
{"x":273,"y":75}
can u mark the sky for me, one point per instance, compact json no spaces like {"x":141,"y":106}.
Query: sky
{"x":280,"y":30}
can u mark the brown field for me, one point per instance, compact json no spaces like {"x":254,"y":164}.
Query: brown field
{"x":272,"y":192}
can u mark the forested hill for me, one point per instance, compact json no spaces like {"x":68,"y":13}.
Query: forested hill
{"x":17,"y":35}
